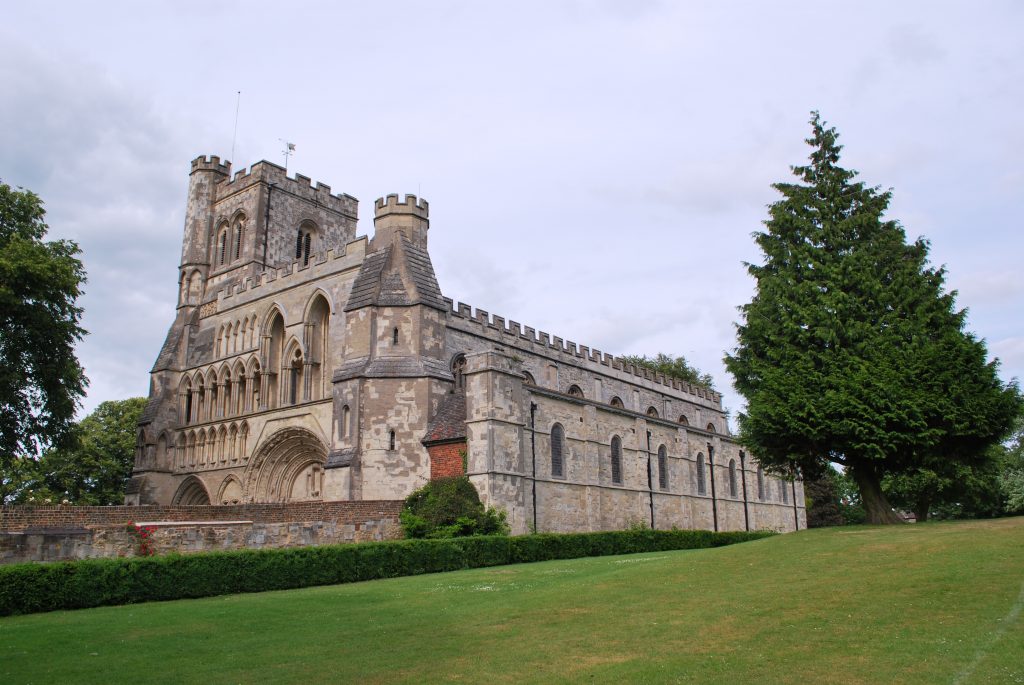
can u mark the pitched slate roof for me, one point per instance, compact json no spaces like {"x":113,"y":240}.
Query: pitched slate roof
{"x":449,"y":423}
{"x":396,"y":275}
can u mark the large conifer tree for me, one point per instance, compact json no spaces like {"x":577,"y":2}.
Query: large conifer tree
{"x":851,"y":351}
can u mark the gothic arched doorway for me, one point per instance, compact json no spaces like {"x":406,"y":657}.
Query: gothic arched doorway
{"x":288,"y":467}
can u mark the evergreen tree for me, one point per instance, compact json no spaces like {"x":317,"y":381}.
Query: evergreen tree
{"x":41,"y":381}
{"x":851,"y":351}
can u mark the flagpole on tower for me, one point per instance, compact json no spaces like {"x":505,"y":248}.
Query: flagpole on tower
{"x":234,"y":134}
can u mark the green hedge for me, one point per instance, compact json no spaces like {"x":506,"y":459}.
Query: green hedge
{"x":27,"y":588}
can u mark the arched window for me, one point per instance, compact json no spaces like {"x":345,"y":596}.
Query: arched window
{"x":346,"y":422}
{"x":239,"y":235}
{"x":201,"y":396}
{"x":711,"y":428}
{"x":214,"y":395}
{"x":528,"y":378}
{"x":394,"y":336}
{"x":652,"y":412}
{"x":617,"y":460}
{"x":229,"y":388}
{"x":575,"y":391}
{"x":617,"y":402}
{"x":557,"y":451}
{"x":733,"y":491}
{"x":459,"y":371}
{"x":304,"y":242}
{"x":186,"y":401}
{"x":276,"y":365}
{"x":663,"y":468}
{"x":683,"y":420}
{"x":317,"y":330}
{"x":223,"y":251}
{"x":783,"y":492}
{"x":702,"y":484}
{"x":295,"y":378}
{"x":391,"y":440}
{"x":760,"y":483}
{"x":254,"y":401}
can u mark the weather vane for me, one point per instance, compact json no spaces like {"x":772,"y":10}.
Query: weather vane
{"x":289,"y":150}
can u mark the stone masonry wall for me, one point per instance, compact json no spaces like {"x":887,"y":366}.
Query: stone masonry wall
{"x":61,"y":533}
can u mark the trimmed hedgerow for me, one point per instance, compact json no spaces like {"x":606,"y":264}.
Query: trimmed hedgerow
{"x":28,"y":588}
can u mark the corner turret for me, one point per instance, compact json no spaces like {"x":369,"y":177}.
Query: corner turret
{"x":391,"y":217}
{"x":207,"y":173}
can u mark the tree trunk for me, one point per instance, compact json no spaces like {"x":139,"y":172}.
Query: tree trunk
{"x":922,"y":508}
{"x":876,"y":505}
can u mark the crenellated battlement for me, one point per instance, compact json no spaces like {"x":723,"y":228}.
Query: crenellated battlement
{"x":269,"y":173}
{"x":526,"y":334}
{"x":410,"y":205}
{"x":297,"y":271}
{"x":211,"y":163}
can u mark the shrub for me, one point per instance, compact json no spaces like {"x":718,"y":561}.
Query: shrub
{"x":450,"y":508}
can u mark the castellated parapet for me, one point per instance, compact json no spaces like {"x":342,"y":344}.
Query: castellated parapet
{"x":409,"y":216}
{"x":306,"y":364}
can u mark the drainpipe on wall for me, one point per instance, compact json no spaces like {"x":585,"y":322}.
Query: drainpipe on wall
{"x":714,"y":499}
{"x":743,"y":475}
{"x":650,"y":479}
{"x":796,"y":512}
{"x":533,"y":452}
{"x":266,"y":223}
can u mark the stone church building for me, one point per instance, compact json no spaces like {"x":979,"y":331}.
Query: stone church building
{"x":306,"y":363}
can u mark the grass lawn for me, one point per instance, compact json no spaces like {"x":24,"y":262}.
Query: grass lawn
{"x":933,"y":603}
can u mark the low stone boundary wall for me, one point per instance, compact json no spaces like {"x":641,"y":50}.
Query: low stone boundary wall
{"x":62,"y":533}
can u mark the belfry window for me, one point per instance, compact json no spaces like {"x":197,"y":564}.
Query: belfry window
{"x":223,"y":246}
{"x":239,"y":237}
{"x":303,"y":244}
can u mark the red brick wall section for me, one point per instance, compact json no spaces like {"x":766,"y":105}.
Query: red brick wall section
{"x":446,"y":460}
{"x":20,"y":517}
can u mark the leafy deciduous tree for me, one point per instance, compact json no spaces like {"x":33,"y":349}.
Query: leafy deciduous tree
{"x":96,"y":470}
{"x":41,"y":381}
{"x":851,"y":351}
{"x":674,"y":367}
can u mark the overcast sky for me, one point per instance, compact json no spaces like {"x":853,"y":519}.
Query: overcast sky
{"x":594,"y":169}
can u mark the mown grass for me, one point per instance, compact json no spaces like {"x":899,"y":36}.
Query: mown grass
{"x":935,"y":603}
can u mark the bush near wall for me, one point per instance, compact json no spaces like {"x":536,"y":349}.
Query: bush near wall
{"x":27,"y":588}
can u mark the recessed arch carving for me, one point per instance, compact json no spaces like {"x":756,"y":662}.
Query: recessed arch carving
{"x":288,"y":466}
{"x":191,"y":492}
